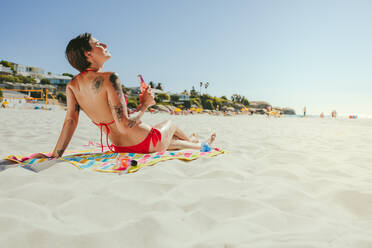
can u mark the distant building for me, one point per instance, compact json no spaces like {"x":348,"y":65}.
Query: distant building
{"x":134,"y":90}
{"x":31,"y":71}
{"x":183,"y":98}
{"x":58,"y":79}
{"x":5,"y":70}
{"x":137,"y":90}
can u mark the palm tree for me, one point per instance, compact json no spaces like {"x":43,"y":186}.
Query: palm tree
{"x":159,"y":87}
{"x":206,"y":86}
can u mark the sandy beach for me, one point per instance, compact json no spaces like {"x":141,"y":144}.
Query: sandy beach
{"x":286,"y":182}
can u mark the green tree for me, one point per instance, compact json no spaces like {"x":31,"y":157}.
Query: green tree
{"x":132,"y":103}
{"x":8,"y":78}
{"x":195,"y":101}
{"x":61,"y":97}
{"x":224,"y":97}
{"x":187,"y":104}
{"x":239,"y":99}
{"x":68,"y":75}
{"x":152,"y":84}
{"x":159,"y":86}
{"x":17,"y":79}
{"x":8,"y":64}
{"x":245,"y":102}
{"x":161,"y":97}
{"x":193,"y":92}
{"x":44,"y":81}
{"x":26,"y":80}
{"x":208,"y":104}
{"x":236,"y":98}
{"x":174,"y":98}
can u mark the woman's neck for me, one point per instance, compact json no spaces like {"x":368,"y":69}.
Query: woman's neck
{"x":94,"y":67}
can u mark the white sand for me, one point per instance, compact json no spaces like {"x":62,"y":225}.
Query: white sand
{"x":289,"y":182}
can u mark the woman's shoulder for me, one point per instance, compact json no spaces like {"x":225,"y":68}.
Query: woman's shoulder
{"x":108,"y":73}
{"x":109,"y":76}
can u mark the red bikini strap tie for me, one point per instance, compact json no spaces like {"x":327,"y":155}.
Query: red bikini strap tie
{"x":156,"y":136}
{"x":107,"y":133}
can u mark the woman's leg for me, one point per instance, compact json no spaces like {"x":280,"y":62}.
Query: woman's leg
{"x":179,"y":134}
{"x":168,"y":130}
{"x":182,"y":144}
{"x":177,"y":144}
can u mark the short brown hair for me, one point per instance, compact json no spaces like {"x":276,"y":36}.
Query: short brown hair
{"x":75,"y":51}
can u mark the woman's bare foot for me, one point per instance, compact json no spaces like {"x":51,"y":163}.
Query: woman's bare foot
{"x":211,"y":139}
{"x":193,"y":138}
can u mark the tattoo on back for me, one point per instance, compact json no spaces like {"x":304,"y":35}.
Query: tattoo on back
{"x":97,"y":83}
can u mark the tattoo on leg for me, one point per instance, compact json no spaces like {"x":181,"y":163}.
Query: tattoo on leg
{"x":97,"y":83}
{"x":77,"y":107}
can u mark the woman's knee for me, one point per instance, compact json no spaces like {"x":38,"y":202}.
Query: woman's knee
{"x":169,"y":126}
{"x":161,"y":124}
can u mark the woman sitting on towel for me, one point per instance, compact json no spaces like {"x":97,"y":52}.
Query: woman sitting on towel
{"x":99,"y":94}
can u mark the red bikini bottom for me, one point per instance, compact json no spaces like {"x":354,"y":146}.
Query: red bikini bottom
{"x":143,"y":147}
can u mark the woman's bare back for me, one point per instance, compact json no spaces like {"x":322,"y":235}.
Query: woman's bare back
{"x":92,"y":90}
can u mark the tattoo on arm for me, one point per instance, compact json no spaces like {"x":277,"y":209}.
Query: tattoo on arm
{"x":114,"y":79}
{"x":97,"y":83}
{"x":132,"y":123}
{"x":60,"y":152}
{"x":119,"y":111}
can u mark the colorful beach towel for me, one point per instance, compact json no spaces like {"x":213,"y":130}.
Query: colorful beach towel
{"x":107,"y":161}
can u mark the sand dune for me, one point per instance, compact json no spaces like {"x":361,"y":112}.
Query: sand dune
{"x":288,"y":182}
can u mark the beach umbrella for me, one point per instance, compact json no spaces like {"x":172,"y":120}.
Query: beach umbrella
{"x":177,"y":110}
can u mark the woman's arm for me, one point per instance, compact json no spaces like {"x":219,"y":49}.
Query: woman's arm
{"x":119,"y":108}
{"x":69,"y":125}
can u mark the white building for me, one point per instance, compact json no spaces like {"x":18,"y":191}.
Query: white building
{"x":31,"y":71}
{"x":58,"y":79}
{"x":5,"y":70}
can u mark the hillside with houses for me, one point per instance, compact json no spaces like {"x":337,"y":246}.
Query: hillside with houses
{"x":36,"y":83}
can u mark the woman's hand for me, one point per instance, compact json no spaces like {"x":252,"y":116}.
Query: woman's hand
{"x":148,"y":98}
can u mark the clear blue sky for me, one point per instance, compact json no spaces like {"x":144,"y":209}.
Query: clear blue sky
{"x":290,"y":53}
